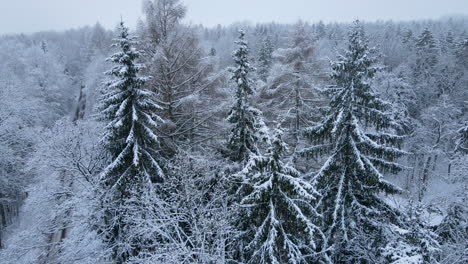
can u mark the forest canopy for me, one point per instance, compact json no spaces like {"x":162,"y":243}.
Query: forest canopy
{"x":248,"y":143}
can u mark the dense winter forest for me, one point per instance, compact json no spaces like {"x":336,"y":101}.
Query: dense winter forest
{"x":249,"y":143}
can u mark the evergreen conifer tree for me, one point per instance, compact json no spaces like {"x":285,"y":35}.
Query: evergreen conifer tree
{"x":247,"y":122}
{"x":131,"y":133}
{"x":279,"y":216}
{"x":427,"y":54}
{"x":265,"y":58}
{"x":448,"y":44}
{"x":320,"y":30}
{"x":132,"y":143}
{"x":407,"y":36}
{"x":357,"y":135}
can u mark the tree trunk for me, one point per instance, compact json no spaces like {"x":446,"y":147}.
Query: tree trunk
{"x":425,"y":178}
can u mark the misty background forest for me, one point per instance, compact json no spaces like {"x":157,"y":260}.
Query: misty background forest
{"x":248,"y":143}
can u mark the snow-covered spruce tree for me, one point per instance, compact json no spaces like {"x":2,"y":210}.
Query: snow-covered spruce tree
{"x":265,"y":58}
{"x":130,"y":135}
{"x":132,"y":145}
{"x":427,"y":54}
{"x":247,"y":123}
{"x":278,"y":223}
{"x":357,"y":135}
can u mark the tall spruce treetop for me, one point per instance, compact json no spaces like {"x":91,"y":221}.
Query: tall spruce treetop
{"x":247,"y":122}
{"x":427,"y":54}
{"x":279,"y":223}
{"x":130,"y":135}
{"x":357,"y":135}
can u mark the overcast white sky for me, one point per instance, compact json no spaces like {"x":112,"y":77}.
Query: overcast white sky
{"x":27,"y":16}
